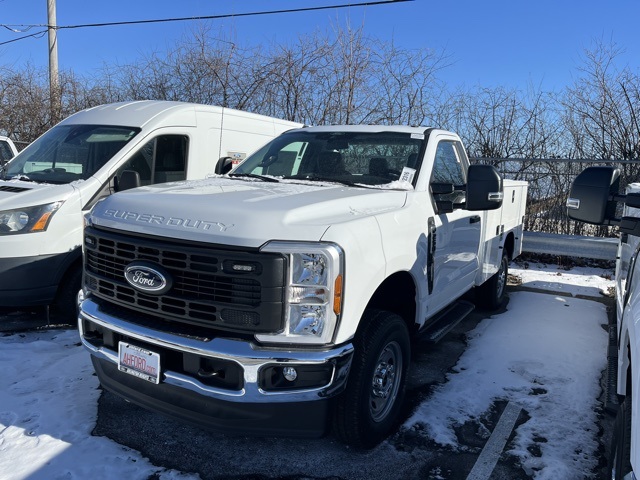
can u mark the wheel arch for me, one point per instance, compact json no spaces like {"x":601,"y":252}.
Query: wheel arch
{"x":509,"y":245}
{"x":624,"y":380}
{"x":72,"y":263}
{"x":397,"y":294}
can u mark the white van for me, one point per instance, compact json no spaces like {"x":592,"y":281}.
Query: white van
{"x":46,"y":188}
{"x":7,"y":150}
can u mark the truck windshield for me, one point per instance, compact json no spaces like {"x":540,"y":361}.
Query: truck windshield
{"x":67,"y":153}
{"x":367,"y":158}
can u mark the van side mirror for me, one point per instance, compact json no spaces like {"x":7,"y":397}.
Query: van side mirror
{"x":128,"y":179}
{"x":592,"y":197}
{"x":224,"y":165}
{"x":484,"y":188}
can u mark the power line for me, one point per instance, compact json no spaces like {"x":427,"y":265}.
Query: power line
{"x":34,"y":35}
{"x":206,"y":17}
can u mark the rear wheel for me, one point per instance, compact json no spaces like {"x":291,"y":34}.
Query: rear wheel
{"x":369,"y":408}
{"x":620,"y":456}
{"x":491,"y":293}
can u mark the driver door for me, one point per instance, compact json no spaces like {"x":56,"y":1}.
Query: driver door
{"x":453,"y":233}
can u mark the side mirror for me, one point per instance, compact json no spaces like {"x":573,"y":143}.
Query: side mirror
{"x":484,"y":188}
{"x":224,"y":165}
{"x":128,"y":179}
{"x":592,"y":197}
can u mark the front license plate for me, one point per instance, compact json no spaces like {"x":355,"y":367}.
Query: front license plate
{"x":139,"y":362}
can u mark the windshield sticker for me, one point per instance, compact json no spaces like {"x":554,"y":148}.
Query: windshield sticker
{"x":417,"y":136}
{"x":407,"y":174}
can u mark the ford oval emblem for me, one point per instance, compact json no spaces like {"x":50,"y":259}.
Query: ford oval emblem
{"x":147,"y":277}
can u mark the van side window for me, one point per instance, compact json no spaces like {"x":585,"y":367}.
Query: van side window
{"x":5,"y":152}
{"x":163,"y":159}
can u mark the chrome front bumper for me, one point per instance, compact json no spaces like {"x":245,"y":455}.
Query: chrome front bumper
{"x":250,"y":357}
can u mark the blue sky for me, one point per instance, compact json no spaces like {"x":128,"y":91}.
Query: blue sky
{"x":491,"y":43}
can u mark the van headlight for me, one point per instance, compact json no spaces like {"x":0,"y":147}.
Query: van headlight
{"x":313,"y":292}
{"x":28,"y":219}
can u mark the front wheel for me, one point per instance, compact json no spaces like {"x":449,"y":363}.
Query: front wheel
{"x":491,"y":293}
{"x":369,"y":408}
{"x":66,"y":302}
{"x":620,"y":456}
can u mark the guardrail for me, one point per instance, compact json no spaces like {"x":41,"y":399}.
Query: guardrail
{"x":598,"y":248}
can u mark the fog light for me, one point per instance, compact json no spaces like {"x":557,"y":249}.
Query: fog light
{"x":290,"y":373}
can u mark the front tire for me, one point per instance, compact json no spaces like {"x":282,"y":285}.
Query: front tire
{"x":491,"y":293}
{"x":620,"y":456}
{"x":369,"y":408}
{"x":66,"y":302}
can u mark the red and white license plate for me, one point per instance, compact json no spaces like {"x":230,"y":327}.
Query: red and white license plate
{"x":139,"y":362}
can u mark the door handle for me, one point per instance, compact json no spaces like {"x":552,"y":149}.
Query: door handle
{"x":474,"y":219}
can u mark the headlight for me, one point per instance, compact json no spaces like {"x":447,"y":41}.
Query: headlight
{"x":313,"y":292}
{"x":27,"y":220}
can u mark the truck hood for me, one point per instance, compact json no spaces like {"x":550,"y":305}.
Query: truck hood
{"x":19,"y":194}
{"x":241,"y":212}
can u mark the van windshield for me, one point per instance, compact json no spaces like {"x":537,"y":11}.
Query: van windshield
{"x":67,"y":153}
{"x":363,"y":158}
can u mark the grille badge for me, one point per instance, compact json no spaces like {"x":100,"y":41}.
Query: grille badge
{"x":148,"y":277}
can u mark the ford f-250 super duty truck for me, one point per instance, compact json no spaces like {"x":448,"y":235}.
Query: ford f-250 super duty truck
{"x":594,"y":199}
{"x":288,"y":291}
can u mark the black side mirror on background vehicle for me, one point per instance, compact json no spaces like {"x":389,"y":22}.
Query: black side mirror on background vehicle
{"x":594,"y":197}
{"x":591,"y":199}
{"x":128,"y":179}
{"x":484,"y":188}
{"x":224,"y":165}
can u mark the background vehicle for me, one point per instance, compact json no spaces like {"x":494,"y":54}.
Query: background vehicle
{"x":48,"y":187}
{"x":7,"y":150}
{"x":594,"y":199}
{"x":289,"y":291}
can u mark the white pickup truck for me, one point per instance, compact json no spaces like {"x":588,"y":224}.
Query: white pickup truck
{"x":46,"y":189}
{"x":593,"y":199}
{"x":289,"y":291}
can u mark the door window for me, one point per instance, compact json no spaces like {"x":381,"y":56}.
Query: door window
{"x":448,"y":174}
{"x":163,"y":159}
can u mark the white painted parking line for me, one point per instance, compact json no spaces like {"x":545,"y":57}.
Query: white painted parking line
{"x":493,"y":448}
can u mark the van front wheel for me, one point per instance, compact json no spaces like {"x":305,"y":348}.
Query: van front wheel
{"x":66,"y":302}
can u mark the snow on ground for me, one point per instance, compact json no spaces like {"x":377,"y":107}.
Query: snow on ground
{"x":48,"y":408}
{"x":546,"y":353}
{"x":583,"y":281}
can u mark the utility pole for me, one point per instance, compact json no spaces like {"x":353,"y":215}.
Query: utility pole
{"x":54,"y":83}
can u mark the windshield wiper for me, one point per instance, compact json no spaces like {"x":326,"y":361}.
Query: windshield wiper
{"x":254,"y":175}
{"x":320,"y":178}
{"x":21,"y":177}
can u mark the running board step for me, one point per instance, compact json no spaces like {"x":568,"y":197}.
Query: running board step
{"x":611,"y":394}
{"x":445,"y":321}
